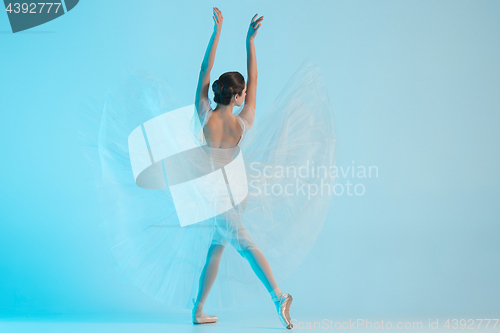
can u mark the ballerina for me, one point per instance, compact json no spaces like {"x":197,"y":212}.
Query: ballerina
{"x":223,"y":133}
{"x":144,"y":144}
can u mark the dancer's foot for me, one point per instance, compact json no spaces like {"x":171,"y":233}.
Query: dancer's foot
{"x":203,"y":318}
{"x":200,"y":317}
{"x":283,"y":303}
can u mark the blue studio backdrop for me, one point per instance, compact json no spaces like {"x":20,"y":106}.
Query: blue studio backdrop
{"x":414,"y":87}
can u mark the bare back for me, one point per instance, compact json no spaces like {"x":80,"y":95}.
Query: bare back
{"x":222,"y":131}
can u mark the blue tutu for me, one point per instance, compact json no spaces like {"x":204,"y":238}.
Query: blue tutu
{"x":145,"y":162}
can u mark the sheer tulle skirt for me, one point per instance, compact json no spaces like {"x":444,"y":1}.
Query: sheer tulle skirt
{"x":288,"y":154}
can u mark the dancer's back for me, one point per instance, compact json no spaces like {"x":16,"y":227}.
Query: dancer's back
{"x":222,"y":131}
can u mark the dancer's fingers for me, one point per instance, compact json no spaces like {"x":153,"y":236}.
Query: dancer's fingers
{"x":258,"y":21}
{"x":218,"y":15}
{"x":253,"y":18}
{"x":218,"y":11}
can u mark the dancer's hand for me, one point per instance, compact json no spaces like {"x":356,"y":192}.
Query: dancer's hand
{"x":217,"y":20}
{"x":254,"y":26}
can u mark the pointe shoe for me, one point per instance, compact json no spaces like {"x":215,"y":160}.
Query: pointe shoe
{"x":203,"y":318}
{"x":283,"y":307}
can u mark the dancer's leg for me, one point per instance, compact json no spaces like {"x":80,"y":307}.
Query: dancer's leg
{"x":261,"y":267}
{"x":236,"y":234}
{"x":208,"y":276}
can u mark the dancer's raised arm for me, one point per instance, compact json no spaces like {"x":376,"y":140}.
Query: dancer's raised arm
{"x":248,"y":112}
{"x":208,"y":61}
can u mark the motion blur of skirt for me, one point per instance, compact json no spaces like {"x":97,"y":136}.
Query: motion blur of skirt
{"x":288,"y":154}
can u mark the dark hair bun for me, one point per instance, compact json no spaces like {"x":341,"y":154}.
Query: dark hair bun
{"x":217,"y":86}
{"x":226,"y":86}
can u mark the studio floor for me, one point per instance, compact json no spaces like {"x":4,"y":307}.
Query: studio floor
{"x":229,"y":321}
